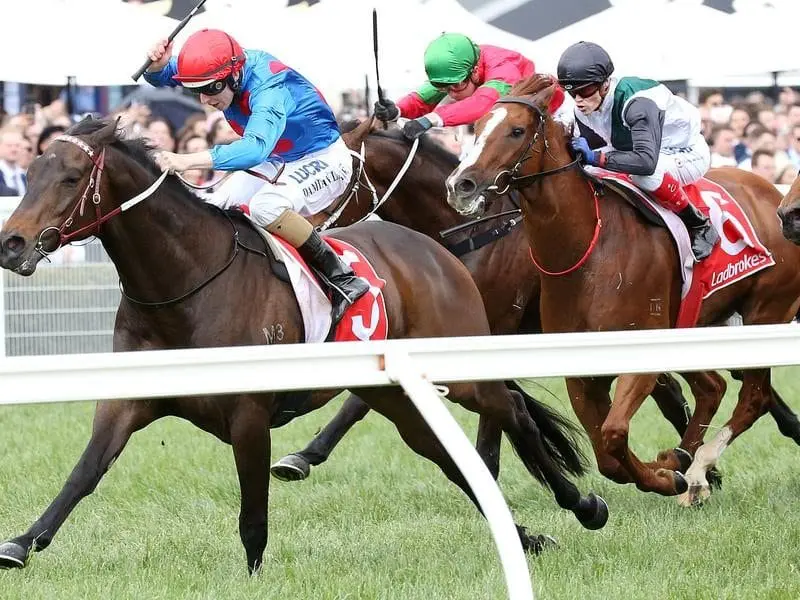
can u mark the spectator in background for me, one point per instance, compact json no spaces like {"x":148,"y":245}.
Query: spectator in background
{"x":766,"y":117}
{"x":787,"y":175}
{"x":189,"y":145}
{"x":723,"y":140}
{"x":161,"y":134}
{"x":793,"y":113}
{"x":763,"y":163}
{"x":447,"y":139}
{"x":739,"y":121}
{"x":26,"y":155}
{"x":47,"y":136}
{"x":13,"y":176}
{"x":794,"y":146}
{"x":220,"y":132}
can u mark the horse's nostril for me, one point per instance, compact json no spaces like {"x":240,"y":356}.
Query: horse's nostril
{"x":465,"y":186}
{"x":14,"y":245}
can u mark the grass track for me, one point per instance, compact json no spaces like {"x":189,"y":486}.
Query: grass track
{"x":377,"y":522}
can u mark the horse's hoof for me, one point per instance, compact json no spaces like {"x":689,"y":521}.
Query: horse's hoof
{"x":695,"y":496}
{"x":714,"y":478}
{"x":597,"y":513}
{"x":292,"y":467}
{"x":536,"y":544}
{"x":12,"y":556}
{"x":684,"y":459}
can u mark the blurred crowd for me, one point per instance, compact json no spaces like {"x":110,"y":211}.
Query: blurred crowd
{"x":750,"y":132}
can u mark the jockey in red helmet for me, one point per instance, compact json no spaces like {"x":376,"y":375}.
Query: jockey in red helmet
{"x":277,"y":112}
{"x":473,"y":76}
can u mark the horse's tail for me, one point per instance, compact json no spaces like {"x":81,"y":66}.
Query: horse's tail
{"x":562,"y":439}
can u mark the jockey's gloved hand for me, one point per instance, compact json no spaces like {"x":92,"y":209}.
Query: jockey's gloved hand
{"x":580,"y":149}
{"x":386,"y":110}
{"x":416,"y":127}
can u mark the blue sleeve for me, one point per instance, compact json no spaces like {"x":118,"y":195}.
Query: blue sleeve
{"x":163,"y":78}
{"x":270,"y":106}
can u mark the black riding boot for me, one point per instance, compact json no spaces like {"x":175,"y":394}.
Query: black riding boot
{"x":701,"y":232}
{"x":345,"y":287}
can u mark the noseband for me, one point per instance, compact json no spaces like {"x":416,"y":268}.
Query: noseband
{"x":521,"y":181}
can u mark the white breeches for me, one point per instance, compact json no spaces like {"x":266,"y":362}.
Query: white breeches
{"x":306,"y":186}
{"x":687,"y":165}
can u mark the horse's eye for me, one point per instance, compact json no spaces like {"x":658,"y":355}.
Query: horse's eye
{"x":517,"y":132}
{"x":71,"y":181}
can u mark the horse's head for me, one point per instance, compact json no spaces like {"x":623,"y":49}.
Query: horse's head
{"x":511,"y":139}
{"x":789,"y":213}
{"x":64,"y":200}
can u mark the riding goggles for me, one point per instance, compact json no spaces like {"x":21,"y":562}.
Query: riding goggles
{"x":210,"y":89}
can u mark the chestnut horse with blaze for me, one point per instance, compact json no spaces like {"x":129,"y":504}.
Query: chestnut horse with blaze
{"x":600,"y":279}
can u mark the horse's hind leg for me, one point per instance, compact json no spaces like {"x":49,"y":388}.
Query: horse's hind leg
{"x":417,"y":434}
{"x":670,"y":401}
{"x":753,"y":400}
{"x":297,"y":466}
{"x":785,"y":418}
{"x":250,"y":438}
{"x":114,"y":422}
{"x":545,"y":443}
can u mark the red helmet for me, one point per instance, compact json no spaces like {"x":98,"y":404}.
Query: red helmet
{"x":208,"y":55}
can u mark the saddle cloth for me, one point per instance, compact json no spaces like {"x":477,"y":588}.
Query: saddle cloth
{"x":738,"y":254}
{"x":364,"y":320}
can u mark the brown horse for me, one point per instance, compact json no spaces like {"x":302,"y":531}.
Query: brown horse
{"x":610,"y":286}
{"x":496,"y":254}
{"x":194,"y":276}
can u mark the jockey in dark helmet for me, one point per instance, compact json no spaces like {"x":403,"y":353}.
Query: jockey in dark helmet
{"x":276,"y":111}
{"x":473,"y":76}
{"x":649,"y":133}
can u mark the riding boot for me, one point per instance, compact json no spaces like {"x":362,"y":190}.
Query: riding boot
{"x":702,"y":234}
{"x":345,"y":287}
{"x":701,"y":231}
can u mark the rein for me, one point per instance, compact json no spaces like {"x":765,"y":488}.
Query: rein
{"x":93,"y":188}
{"x":520,"y":181}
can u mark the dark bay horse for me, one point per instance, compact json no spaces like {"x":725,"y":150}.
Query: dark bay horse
{"x":195,"y":276}
{"x":502,"y":269}
{"x":609,"y":286}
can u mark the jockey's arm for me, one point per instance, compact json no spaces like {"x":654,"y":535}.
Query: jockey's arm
{"x":469,"y":110}
{"x":421,"y":102}
{"x":163,"y":78}
{"x":646,"y":122}
{"x":270,"y":107}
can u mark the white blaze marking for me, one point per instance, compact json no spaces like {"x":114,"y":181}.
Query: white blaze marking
{"x":496,"y":117}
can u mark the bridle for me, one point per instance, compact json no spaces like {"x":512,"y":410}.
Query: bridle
{"x":93,"y":190}
{"x":521,"y":181}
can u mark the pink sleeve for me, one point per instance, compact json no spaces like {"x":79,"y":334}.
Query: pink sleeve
{"x":470,"y":109}
{"x":413,"y":106}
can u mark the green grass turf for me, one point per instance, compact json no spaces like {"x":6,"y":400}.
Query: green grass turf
{"x":377,"y":522}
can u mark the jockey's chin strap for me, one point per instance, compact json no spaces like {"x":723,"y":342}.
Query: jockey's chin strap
{"x":92,"y":191}
{"x":520,"y":181}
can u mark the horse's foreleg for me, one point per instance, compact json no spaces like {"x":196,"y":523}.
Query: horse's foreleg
{"x":591,"y":403}
{"x":753,"y":399}
{"x":487,"y":444}
{"x":250,"y":438}
{"x":114,"y":422}
{"x":297,"y":466}
{"x":630,"y":393}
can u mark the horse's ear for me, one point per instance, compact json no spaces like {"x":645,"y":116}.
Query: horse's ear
{"x":107,"y":134}
{"x":551,"y":97}
{"x":354,"y":138}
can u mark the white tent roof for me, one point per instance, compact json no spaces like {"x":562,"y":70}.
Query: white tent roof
{"x":97,"y":42}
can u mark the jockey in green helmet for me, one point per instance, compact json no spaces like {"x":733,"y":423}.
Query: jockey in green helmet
{"x":474,"y":76}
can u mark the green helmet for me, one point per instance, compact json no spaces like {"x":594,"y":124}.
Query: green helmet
{"x":450,"y":58}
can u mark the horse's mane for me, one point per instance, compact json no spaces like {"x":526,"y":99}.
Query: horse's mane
{"x":532,"y":85}
{"x":427,"y":144}
{"x":139,"y":150}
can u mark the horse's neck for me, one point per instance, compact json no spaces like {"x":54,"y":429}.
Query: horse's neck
{"x":166,"y":244}
{"x":419,"y":201}
{"x":560,"y":211}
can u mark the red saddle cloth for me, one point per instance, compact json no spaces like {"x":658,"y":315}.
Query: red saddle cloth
{"x":738,"y":254}
{"x":366,"y":318}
